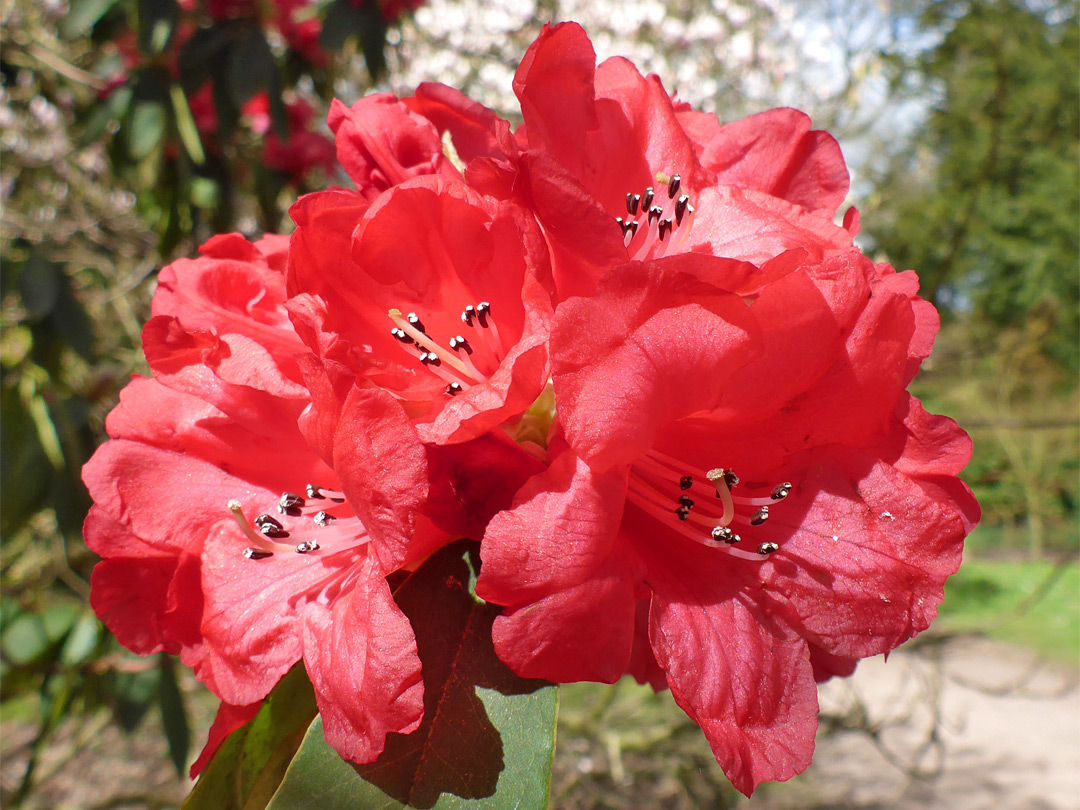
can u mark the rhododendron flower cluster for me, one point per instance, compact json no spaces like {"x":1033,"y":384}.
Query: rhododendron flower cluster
{"x":623,"y":346}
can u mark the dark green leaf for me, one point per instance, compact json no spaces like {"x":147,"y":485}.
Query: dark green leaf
{"x":134,"y":694}
{"x":249,"y":765}
{"x":27,"y":471}
{"x":343,"y":20}
{"x":487,"y":737}
{"x":103,"y":114}
{"x":251,"y":66}
{"x":204,"y":55}
{"x":82,"y":15}
{"x":39,"y":286}
{"x":157,"y":24}
{"x":174,"y":715}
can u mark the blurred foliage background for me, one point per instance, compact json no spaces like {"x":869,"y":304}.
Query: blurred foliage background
{"x":134,"y":129}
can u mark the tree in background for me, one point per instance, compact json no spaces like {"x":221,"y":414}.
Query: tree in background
{"x":985,"y":204}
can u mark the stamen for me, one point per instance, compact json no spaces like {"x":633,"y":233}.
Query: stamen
{"x":760,"y":516}
{"x":781,"y":491}
{"x":399,"y":334}
{"x":453,"y":389}
{"x":683,"y":513}
{"x":323,"y":518}
{"x":415,"y":323}
{"x":257,"y":554}
{"x":632,"y":203}
{"x":767,"y":548}
{"x":424,"y":342}
{"x":687,"y":501}
{"x":686,"y":482}
{"x":646,"y":201}
{"x":310,"y":545}
{"x":468,"y":314}
{"x":680,"y":208}
{"x":725,"y":535}
{"x":673,"y":186}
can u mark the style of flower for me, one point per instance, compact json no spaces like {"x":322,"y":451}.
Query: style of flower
{"x":757,"y":473}
{"x":227,"y":539}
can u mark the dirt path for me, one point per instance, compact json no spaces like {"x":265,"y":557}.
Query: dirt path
{"x":1008,"y":734}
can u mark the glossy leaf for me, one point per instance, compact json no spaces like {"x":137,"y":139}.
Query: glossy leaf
{"x":248,"y":766}
{"x":487,"y":737}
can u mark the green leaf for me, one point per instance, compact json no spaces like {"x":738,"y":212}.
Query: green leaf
{"x":145,"y":128}
{"x":174,"y":715}
{"x":487,"y":737}
{"x":157,"y":23}
{"x":81,"y":641}
{"x":82,"y":16}
{"x":185,"y":124}
{"x":25,"y":639}
{"x":249,"y":765}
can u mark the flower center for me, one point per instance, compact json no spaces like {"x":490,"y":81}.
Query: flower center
{"x":455,"y":362}
{"x":656,"y":227}
{"x":301,"y":525}
{"x":699,"y":504}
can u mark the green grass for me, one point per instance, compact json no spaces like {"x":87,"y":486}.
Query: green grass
{"x":1018,"y":601}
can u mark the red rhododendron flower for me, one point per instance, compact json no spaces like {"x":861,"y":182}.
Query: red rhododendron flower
{"x":203,"y":554}
{"x":758,"y":473}
{"x":426,"y":290}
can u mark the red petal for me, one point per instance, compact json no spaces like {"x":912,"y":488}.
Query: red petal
{"x":554,"y":84}
{"x":475,"y":130}
{"x":742,"y":676}
{"x":776,"y":152}
{"x":381,"y":142}
{"x":553,"y":559}
{"x":753,"y":226}
{"x":360,"y":653}
{"x":650,"y":347}
{"x":382,"y":469}
{"x":864,"y":568}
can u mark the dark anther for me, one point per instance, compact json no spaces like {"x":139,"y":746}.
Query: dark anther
{"x":313,"y":491}
{"x":290,"y":500}
{"x":687,"y":501}
{"x":731,"y":479}
{"x":400,"y":335}
{"x":781,"y":491}
{"x":680,"y":208}
{"x":266,"y":520}
{"x":632,"y":227}
{"x":415,"y":323}
{"x":304,"y":548}
{"x":467,"y":315}
{"x":621,"y":224}
{"x":453,"y":389}
{"x":686,"y":482}
{"x":460,"y":343}
{"x":655,"y":213}
{"x":483,"y":309}
{"x":646,"y":200}
{"x":683,"y":513}
{"x":257,"y":554}
{"x":430,"y":359}
{"x":273,"y":530}
{"x":760,"y":516}
{"x":664,"y":228}
{"x":725,"y":534}
{"x":673,"y":186}
{"x":767,"y":548}
{"x":632,"y":203}
{"x":323,"y":518}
